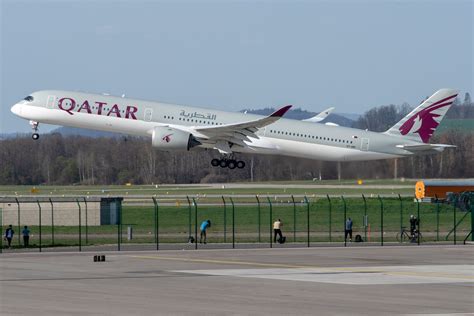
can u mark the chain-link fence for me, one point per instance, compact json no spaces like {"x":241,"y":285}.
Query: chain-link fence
{"x":240,"y":221}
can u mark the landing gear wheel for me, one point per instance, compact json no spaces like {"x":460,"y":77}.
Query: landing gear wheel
{"x":34,"y":127}
{"x":240,"y":164}
{"x":223,"y":163}
{"x":231,"y":164}
{"x":215,"y":162}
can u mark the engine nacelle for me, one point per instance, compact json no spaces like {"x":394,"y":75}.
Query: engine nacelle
{"x":167,"y":138}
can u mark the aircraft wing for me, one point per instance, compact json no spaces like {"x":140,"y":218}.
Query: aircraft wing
{"x":321,"y":116}
{"x":237,"y":133}
{"x":425,"y":147}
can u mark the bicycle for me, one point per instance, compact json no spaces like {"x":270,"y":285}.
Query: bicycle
{"x":405,"y":236}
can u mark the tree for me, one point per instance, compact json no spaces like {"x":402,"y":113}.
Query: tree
{"x":467,"y":99}
{"x":381,"y":118}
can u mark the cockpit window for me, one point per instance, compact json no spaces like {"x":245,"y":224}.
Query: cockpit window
{"x":29,"y":98}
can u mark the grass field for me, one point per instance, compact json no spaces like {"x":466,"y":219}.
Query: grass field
{"x":463,"y":125}
{"x":326,"y":222}
{"x":324,"y":187}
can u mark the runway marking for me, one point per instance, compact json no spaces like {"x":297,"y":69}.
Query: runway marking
{"x":320,"y":269}
{"x":380,"y":275}
{"x":231,"y":262}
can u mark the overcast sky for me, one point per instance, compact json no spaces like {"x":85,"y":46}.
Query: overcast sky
{"x":237,"y":54}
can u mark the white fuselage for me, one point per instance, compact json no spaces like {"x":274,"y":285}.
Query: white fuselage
{"x":138,"y":117}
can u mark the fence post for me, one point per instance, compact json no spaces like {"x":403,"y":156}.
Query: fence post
{"x":52,"y":221}
{"x":79,"y":227}
{"x":345,"y":218}
{"x":39,"y":224}
{"x":87,"y":225}
{"x":381,"y":220}
{"x":454,"y":217}
{"x":330,"y":217}
{"x":119,"y":227}
{"x":195,"y":224}
{"x":1,"y":230}
{"x":189,"y":219}
{"x":156,"y":224}
{"x":307,"y":219}
{"x":401,"y":212}
{"x":294,"y":218}
{"x":258,"y":211}
{"x":225,"y":219}
{"x":471,"y":202}
{"x":366,"y":220}
{"x":437,"y":217}
{"x":418,"y":219}
{"x":19,"y":223}
{"x":233,"y":222}
{"x":271,"y":221}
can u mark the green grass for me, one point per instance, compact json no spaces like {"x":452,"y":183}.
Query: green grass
{"x":463,"y":125}
{"x":324,"y":225}
{"x":383,"y":187}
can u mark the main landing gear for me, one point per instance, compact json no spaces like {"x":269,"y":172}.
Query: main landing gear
{"x":34,"y":126}
{"x":230,"y":163}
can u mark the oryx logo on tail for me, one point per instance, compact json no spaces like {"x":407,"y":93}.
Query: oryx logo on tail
{"x":421,"y":123}
{"x":425,"y":122}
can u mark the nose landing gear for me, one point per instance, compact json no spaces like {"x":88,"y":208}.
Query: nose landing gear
{"x":228,"y":162}
{"x":34,"y":126}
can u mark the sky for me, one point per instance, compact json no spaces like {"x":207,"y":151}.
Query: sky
{"x":232,"y":55}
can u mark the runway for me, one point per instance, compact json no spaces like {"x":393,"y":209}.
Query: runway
{"x":297,"y":281}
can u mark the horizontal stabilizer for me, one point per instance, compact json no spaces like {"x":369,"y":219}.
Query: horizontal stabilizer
{"x":425,"y":147}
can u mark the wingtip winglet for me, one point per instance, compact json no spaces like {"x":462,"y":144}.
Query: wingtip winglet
{"x":280,"y":112}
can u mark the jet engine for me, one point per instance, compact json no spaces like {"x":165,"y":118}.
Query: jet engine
{"x":169,"y":139}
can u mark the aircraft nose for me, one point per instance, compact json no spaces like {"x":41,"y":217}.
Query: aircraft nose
{"x":16,"y":109}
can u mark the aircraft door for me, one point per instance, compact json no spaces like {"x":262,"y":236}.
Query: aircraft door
{"x":51,"y":101}
{"x":364,"y":144}
{"x":148,"y":114}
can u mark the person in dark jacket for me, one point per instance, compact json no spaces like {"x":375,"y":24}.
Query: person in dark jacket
{"x":26,"y":236}
{"x":9,"y":235}
{"x":413,"y":223}
{"x":348,"y":230}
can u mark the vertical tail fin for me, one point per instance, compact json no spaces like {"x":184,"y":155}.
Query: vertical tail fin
{"x":421,"y":123}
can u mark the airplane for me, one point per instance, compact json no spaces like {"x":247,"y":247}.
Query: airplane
{"x":179,"y":127}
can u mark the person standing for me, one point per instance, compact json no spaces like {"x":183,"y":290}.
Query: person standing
{"x":277,"y":230}
{"x":412,"y":225}
{"x":26,"y":236}
{"x":204,"y":226}
{"x":348,"y":229}
{"x":9,"y":235}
